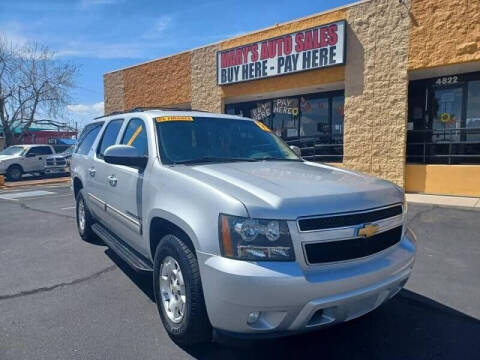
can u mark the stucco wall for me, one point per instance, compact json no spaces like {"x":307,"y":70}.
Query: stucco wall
{"x":444,"y":32}
{"x":206,"y":95}
{"x":163,"y":82}
{"x":376,"y":88}
{"x":113,"y":92}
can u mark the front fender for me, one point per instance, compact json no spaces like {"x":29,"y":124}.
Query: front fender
{"x":174,"y":219}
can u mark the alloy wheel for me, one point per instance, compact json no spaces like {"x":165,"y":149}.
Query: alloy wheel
{"x":172,"y":289}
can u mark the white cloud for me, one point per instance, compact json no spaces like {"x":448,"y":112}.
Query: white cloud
{"x":96,"y":108}
{"x":161,"y":24}
{"x":84,"y":113}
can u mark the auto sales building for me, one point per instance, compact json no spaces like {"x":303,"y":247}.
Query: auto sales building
{"x":386,"y":87}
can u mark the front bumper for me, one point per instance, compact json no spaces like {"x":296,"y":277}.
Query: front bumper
{"x":293,"y":298}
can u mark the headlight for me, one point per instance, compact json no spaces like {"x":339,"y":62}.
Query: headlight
{"x":255,"y":239}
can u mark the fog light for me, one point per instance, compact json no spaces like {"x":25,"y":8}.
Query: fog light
{"x":253,"y":317}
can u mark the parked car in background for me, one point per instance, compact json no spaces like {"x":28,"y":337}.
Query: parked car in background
{"x":67,"y":153}
{"x":17,"y":160}
{"x":56,"y":164}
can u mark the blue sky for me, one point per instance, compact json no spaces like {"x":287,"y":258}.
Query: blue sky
{"x":103,"y":35}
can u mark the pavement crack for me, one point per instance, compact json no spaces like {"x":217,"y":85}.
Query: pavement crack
{"x":53,"y":287}
{"x":25,"y":206}
{"x":420,"y":213}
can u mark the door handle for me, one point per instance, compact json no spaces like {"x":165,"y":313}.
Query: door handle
{"x":112,"y":180}
{"x":92,"y":171}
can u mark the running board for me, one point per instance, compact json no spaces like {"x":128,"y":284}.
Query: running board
{"x":131,"y":256}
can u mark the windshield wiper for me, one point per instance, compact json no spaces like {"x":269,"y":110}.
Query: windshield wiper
{"x":212,"y":160}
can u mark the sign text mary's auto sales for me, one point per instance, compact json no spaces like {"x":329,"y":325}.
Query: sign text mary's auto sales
{"x":305,"y":50}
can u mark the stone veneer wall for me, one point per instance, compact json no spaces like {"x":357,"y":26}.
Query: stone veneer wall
{"x":163,"y":82}
{"x":444,"y":32}
{"x":113,"y":92}
{"x":376,"y":86}
{"x":206,"y":94}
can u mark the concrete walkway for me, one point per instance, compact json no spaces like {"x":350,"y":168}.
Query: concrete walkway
{"x":471,"y":202}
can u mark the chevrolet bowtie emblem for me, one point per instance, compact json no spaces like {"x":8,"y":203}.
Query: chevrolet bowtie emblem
{"x":368,"y":230}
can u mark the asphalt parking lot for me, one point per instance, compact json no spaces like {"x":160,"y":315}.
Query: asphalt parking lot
{"x":61,"y":298}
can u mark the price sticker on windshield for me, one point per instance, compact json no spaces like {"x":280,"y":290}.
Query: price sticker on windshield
{"x":173,"y":118}
{"x":263,"y":126}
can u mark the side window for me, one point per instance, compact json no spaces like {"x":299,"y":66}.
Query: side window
{"x":33,"y":151}
{"x":44,"y":150}
{"x":87,"y":138}
{"x":109,"y":136}
{"x":136,"y":135}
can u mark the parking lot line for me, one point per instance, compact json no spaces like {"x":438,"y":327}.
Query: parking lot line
{"x":24,"y":194}
{"x":68,"y":208}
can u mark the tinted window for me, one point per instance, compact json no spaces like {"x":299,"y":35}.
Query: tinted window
{"x":87,"y":138}
{"x":219,"y":140}
{"x":136,"y":136}
{"x":109,"y":136}
{"x":44,"y":150}
{"x":40,"y":150}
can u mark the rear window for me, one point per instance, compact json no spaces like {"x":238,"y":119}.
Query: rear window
{"x":87,"y":138}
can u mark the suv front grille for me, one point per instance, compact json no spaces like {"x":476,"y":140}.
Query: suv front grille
{"x":331,"y":251}
{"x":334,"y":221}
{"x":56,"y":162}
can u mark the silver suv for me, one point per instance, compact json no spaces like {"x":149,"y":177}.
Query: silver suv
{"x":242,"y":235}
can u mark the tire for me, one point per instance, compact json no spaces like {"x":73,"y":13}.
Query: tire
{"x":14,"y":173}
{"x":193,"y":327}
{"x":84,"y":219}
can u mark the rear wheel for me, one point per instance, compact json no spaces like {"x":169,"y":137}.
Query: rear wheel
{"x":14,"y":173}
{"x":178,"y":292}
{"x":84,"y":219}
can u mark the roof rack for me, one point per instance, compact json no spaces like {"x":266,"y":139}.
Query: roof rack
{"x":146,"y":108}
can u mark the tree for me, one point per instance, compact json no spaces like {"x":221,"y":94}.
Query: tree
{"x":32,"y":83}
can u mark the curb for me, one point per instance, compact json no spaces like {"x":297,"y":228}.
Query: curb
{"x":34,"y":183}
{"x":444,"y":200}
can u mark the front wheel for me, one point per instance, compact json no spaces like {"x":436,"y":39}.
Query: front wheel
{"x":14,"y":173}
{"x":178,"y":292}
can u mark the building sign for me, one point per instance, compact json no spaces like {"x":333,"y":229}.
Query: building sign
{"x":287,"y":106}
{"x":310,"y":49}
{"x":262,"y":111}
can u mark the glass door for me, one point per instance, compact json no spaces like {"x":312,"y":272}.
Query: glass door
{"x":447,"y":114}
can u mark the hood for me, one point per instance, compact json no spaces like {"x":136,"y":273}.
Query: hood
{"x":287,"y":190}
{"x":9,"y":157}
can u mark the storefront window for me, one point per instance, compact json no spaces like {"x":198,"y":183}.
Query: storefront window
{"x":315,"y":119}
{"x":473,"y":111}
{"x":313,"y":122}
{"x":444,"y":120}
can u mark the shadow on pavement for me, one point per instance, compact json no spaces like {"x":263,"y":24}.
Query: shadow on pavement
{"x":143,"y":280}
{"x":409,"y":326}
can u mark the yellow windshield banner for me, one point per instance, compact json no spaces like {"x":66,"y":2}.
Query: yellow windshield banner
{"x":135,"y":135}
{"x":263,"y":126}
{"x":173,"y":118}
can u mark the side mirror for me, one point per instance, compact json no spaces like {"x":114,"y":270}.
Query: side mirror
{"x":296,"y":150}
{"x":30,"y":155}
{"x":125,"y":155}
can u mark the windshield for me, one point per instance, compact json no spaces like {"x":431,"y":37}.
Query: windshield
{"x":68,"y":151}
{"x":13,"y":150}
{"x":203,"y":139}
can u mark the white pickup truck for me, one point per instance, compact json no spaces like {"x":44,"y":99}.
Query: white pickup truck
{"x":22,"y":159}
